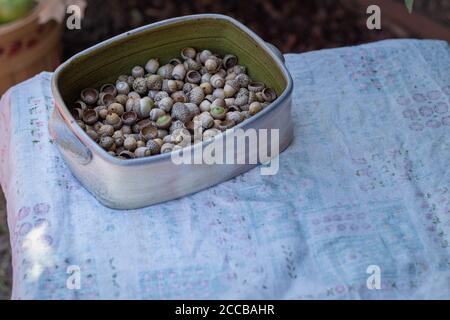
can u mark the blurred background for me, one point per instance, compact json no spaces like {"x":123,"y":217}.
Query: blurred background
{"x":34,"y":44}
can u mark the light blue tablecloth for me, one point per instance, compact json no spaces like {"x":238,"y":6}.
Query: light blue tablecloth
{"x":365,"y":184}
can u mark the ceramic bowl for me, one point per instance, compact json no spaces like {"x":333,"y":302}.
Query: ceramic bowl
{"x":136,"y":183}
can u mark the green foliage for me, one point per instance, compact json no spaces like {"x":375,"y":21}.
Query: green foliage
{"x":11,"y":10}
{"x":409,"y":5}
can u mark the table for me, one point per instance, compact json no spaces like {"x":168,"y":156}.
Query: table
{"x":360,"y":207}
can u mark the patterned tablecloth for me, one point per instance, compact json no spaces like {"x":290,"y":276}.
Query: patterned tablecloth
{"x":365,"y":186}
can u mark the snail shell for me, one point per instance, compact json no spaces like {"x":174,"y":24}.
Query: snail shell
{"x":188,"y":53}
{"x":193,"y":76}
{"x":206,"y":87}
{"x":204,"y":55}
{"x":181,"y":136}
{"x":193,"y":109}
{"x":243,"y":80}
{"x":234,"y":116}
{"x":153,"y":146}
{"x":167,"y":147}
{"x":165,"y":71}
{"x":164,"y":122}
{"x":212,"y":64}
{"x":241,"y":97}
{"x":206,"y":120}
{"x":140,"y":86}
{"x":254,"y":108}
{"x":196,"y":95}
{"x":191,"y":64}
{"x":126,"y":154}
{"x":229,"y":102}
{"x":179,"y":96}
{"x":205,"y":105}
{"x":219,"y":102}
{"x":177,"y":124}
{"x":142,"y":152}
{"x":269,"y":94}
{"x":218,"y":113}
{"x":218,"y":93}
{"x":165,"y":104}
{"x":256,"y":86}
{"x":160,"y":95}
{"x":154,"y":82}
{"x":89,"y":96}
{"x":170,"y":86}
{"x":223,"y":125}
{"x":229,"y":61}
{"x":152,"y":66}
{"x":156,"y":113}
{"x":217,"y":81}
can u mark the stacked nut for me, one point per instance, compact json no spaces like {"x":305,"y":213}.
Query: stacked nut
{"x":156,"y":108}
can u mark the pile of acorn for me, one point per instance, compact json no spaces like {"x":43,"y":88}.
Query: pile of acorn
{"x":156,"y":108}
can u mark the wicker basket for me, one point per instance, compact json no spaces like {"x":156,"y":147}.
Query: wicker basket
{"x":28,"y":47}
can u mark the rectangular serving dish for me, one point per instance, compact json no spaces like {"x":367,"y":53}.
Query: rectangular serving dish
{"x":136,"y":183}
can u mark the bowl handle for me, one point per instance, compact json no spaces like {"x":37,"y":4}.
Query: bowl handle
{"x":276,"y":51}
{"x":67,"y":140}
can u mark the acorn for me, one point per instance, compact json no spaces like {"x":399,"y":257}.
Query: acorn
{"x":229,"y":61}
{"x":114,"y":120}
{"x":156,"y":113}
{"x":130,"y":143}
{"x":218,"y":113}
{"x":106,"y":130}
{"x":148,"y":133}
{"x":109,"y":88}
{"x":181,"y":112}
{"x":122,"y":87}
{"x":106,"y":142}
{"x":269,"y":94}
{"x":90,"y":116}
{"x":89,"y":96}
{"x":164,"y":122}
{"x":129,"y":118}
{"x":196,"y":95}
{"x":165,"y":71}
{"x":152,"y":66}
{"x":105,"y":99}
{"x":153,"y":146}
{"x":154,"y":82}
{"x":211,"y":133}
{"x":116,"y":108}
{"x":179,"y":72}
{"x":188,"y":53}
{"x":142,"y":152}
{"x":138,"y":72}
{"x":193,"y":76}
{"x":140,"y":86}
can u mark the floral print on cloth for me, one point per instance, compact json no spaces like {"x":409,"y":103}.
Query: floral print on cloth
{"x":365,"y":183}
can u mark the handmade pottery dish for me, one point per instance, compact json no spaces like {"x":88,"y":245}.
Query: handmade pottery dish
{"x":140,"y":182}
